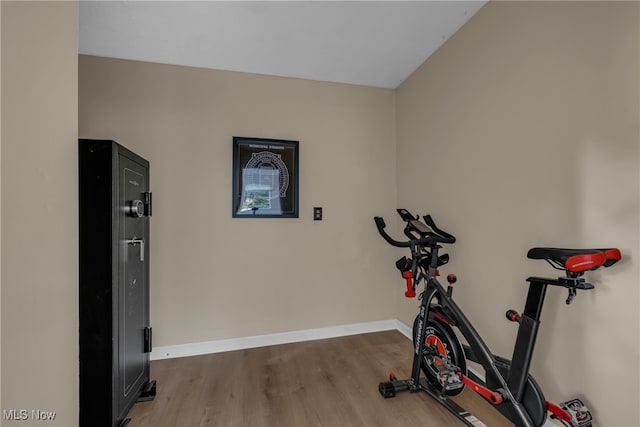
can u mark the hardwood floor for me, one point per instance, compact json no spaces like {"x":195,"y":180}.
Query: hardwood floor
{"x":332,"y":382}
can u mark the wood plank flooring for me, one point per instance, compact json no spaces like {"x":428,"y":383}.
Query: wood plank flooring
{"x":332,"y":382}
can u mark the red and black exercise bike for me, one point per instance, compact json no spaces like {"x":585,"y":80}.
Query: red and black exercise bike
{"x":440,"y":355}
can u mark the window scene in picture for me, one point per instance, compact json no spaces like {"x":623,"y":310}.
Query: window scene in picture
{"x":261,"y":189}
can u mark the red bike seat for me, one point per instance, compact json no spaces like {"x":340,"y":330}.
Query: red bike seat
{"x":577,"y":260}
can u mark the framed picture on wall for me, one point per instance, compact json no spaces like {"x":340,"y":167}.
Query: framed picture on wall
{"x":265,"y":178}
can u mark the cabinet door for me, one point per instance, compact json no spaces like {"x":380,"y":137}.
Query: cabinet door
{"x":133,"y":286}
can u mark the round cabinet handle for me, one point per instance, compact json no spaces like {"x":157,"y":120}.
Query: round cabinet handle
{"x":135,"y":208}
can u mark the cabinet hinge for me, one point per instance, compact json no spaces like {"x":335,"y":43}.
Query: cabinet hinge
{"x":148,"y":203}
{"x":148,"y":333}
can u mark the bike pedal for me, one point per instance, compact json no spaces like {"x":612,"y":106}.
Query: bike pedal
{"x":450,"y":381}
{"x":447,"y":376}
{"x":581,"y":417}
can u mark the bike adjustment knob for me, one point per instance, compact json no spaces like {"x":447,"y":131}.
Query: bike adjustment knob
{"x":452,"y":278}
{"x":513,"y":316}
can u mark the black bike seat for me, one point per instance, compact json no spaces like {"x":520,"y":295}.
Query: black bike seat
{"x":576,"y":260}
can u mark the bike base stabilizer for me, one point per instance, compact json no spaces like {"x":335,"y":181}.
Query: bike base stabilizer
{"x":388,"y":389}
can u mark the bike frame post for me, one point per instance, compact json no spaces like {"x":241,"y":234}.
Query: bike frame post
{"x":526,"y":339}
{"x":422,"y":319}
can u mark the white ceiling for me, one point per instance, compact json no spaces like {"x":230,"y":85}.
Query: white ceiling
{"x":372,"y":43}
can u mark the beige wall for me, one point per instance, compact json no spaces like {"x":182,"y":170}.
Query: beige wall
{"x":523,"y":131}
{"x":214,"y":277}
{"x":39,"y":205}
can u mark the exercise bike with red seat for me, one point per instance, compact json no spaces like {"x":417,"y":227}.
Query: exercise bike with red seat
{"x":439,"y":354}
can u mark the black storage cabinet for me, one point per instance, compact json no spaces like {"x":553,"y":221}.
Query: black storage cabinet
{"x":115,"y":334}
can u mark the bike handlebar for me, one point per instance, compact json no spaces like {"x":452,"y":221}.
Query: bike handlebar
{"x":437,"y":236}
{"x":448,"y":238}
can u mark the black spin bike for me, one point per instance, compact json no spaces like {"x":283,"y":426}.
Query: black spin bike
{"x":442,"y":357}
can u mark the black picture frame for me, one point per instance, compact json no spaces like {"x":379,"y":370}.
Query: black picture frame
{"x":265,"y":178}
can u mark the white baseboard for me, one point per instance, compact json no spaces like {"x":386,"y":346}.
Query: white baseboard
{"x":404,"y":329}
{"x":231,"y":344}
